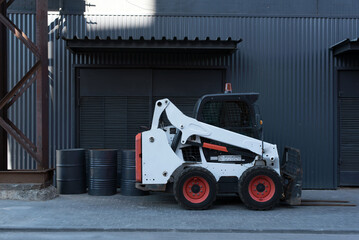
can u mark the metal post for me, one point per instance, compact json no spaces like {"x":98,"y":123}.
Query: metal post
{"x":42,"y":86}
{"x":3,"y":87}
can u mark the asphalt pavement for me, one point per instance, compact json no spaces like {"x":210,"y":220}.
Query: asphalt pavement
{"x":158,"y":216}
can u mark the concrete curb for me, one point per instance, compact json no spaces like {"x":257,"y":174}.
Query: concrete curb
{"x":32,"y":194}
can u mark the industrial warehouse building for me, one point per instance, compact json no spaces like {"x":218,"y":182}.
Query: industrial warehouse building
{"x":109,"y":61}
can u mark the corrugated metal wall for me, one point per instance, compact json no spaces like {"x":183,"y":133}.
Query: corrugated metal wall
{"x":286,"y":60}
{"x":22,"y":111}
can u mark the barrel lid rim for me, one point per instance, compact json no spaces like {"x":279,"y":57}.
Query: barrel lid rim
{"x":71,"y":149}
{"x":102,"y":149}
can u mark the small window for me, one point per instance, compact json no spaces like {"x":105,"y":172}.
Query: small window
{"x":231,"y":115}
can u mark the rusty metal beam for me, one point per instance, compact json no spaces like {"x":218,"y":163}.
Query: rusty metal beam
{"x":19,"y":94}
{"x":21,"y":134}
{"x":3,"y":88}
{"x":18,"y":86}
{"x":42,"y":86}
{"x":19,"y":34}
{"x":9,"y":3}
{"x":40,"y":151}
{"x":19,"y":139}
{"x":27,"y":176}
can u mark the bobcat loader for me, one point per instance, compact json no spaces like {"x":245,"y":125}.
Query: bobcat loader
{"x":219,"y":150}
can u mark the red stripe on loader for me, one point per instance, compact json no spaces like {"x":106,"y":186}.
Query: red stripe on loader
{"x":139,"y":157}
{"x":215,"y":147}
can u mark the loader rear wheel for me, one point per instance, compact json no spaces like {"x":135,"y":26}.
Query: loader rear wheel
{"x":195,"y":188}
{"x":260,"y":188}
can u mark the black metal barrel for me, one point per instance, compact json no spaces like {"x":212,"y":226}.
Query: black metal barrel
{"x":70,"y":171}
{"x":119,"y":168}
{"x":128,"y":180}
{"x":102,"y":172}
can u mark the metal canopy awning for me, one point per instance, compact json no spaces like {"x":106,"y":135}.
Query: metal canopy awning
{"x":86,"y":45}
{"x":346,"y":46}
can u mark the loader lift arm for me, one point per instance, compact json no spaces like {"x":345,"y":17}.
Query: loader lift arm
{"x":190,"y":126}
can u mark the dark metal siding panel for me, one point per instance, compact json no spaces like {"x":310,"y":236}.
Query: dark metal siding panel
{"x":62,"y":100}
{"x":285,"y":59}
{"x":349,"y":133}
{"x":288,"y":62}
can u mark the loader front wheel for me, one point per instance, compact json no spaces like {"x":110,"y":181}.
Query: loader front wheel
{"x":260,"y":188}
{"x":195,"y":188}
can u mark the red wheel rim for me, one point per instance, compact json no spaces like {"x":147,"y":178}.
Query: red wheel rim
{"x":196,"y":189}
{"x":261,"y":188}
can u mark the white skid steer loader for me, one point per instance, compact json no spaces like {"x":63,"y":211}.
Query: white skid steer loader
{"x":220,"y":150}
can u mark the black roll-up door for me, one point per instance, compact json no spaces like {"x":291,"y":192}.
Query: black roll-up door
{"x":112,"y":122}
{"x":349,"y":128}
{"x":184,"y":87}
{"x":115,"y":103}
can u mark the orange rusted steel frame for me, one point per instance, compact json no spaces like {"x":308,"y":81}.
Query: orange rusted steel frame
{"x":39,"y":72}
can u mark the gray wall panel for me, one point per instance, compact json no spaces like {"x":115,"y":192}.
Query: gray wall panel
{"x":286,"y":60}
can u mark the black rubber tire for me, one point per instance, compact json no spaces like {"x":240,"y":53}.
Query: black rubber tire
{"x":248,"y":176}
{"x":187,"y":174}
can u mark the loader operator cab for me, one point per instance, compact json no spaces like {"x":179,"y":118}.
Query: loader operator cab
{"x":235,"y":112}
